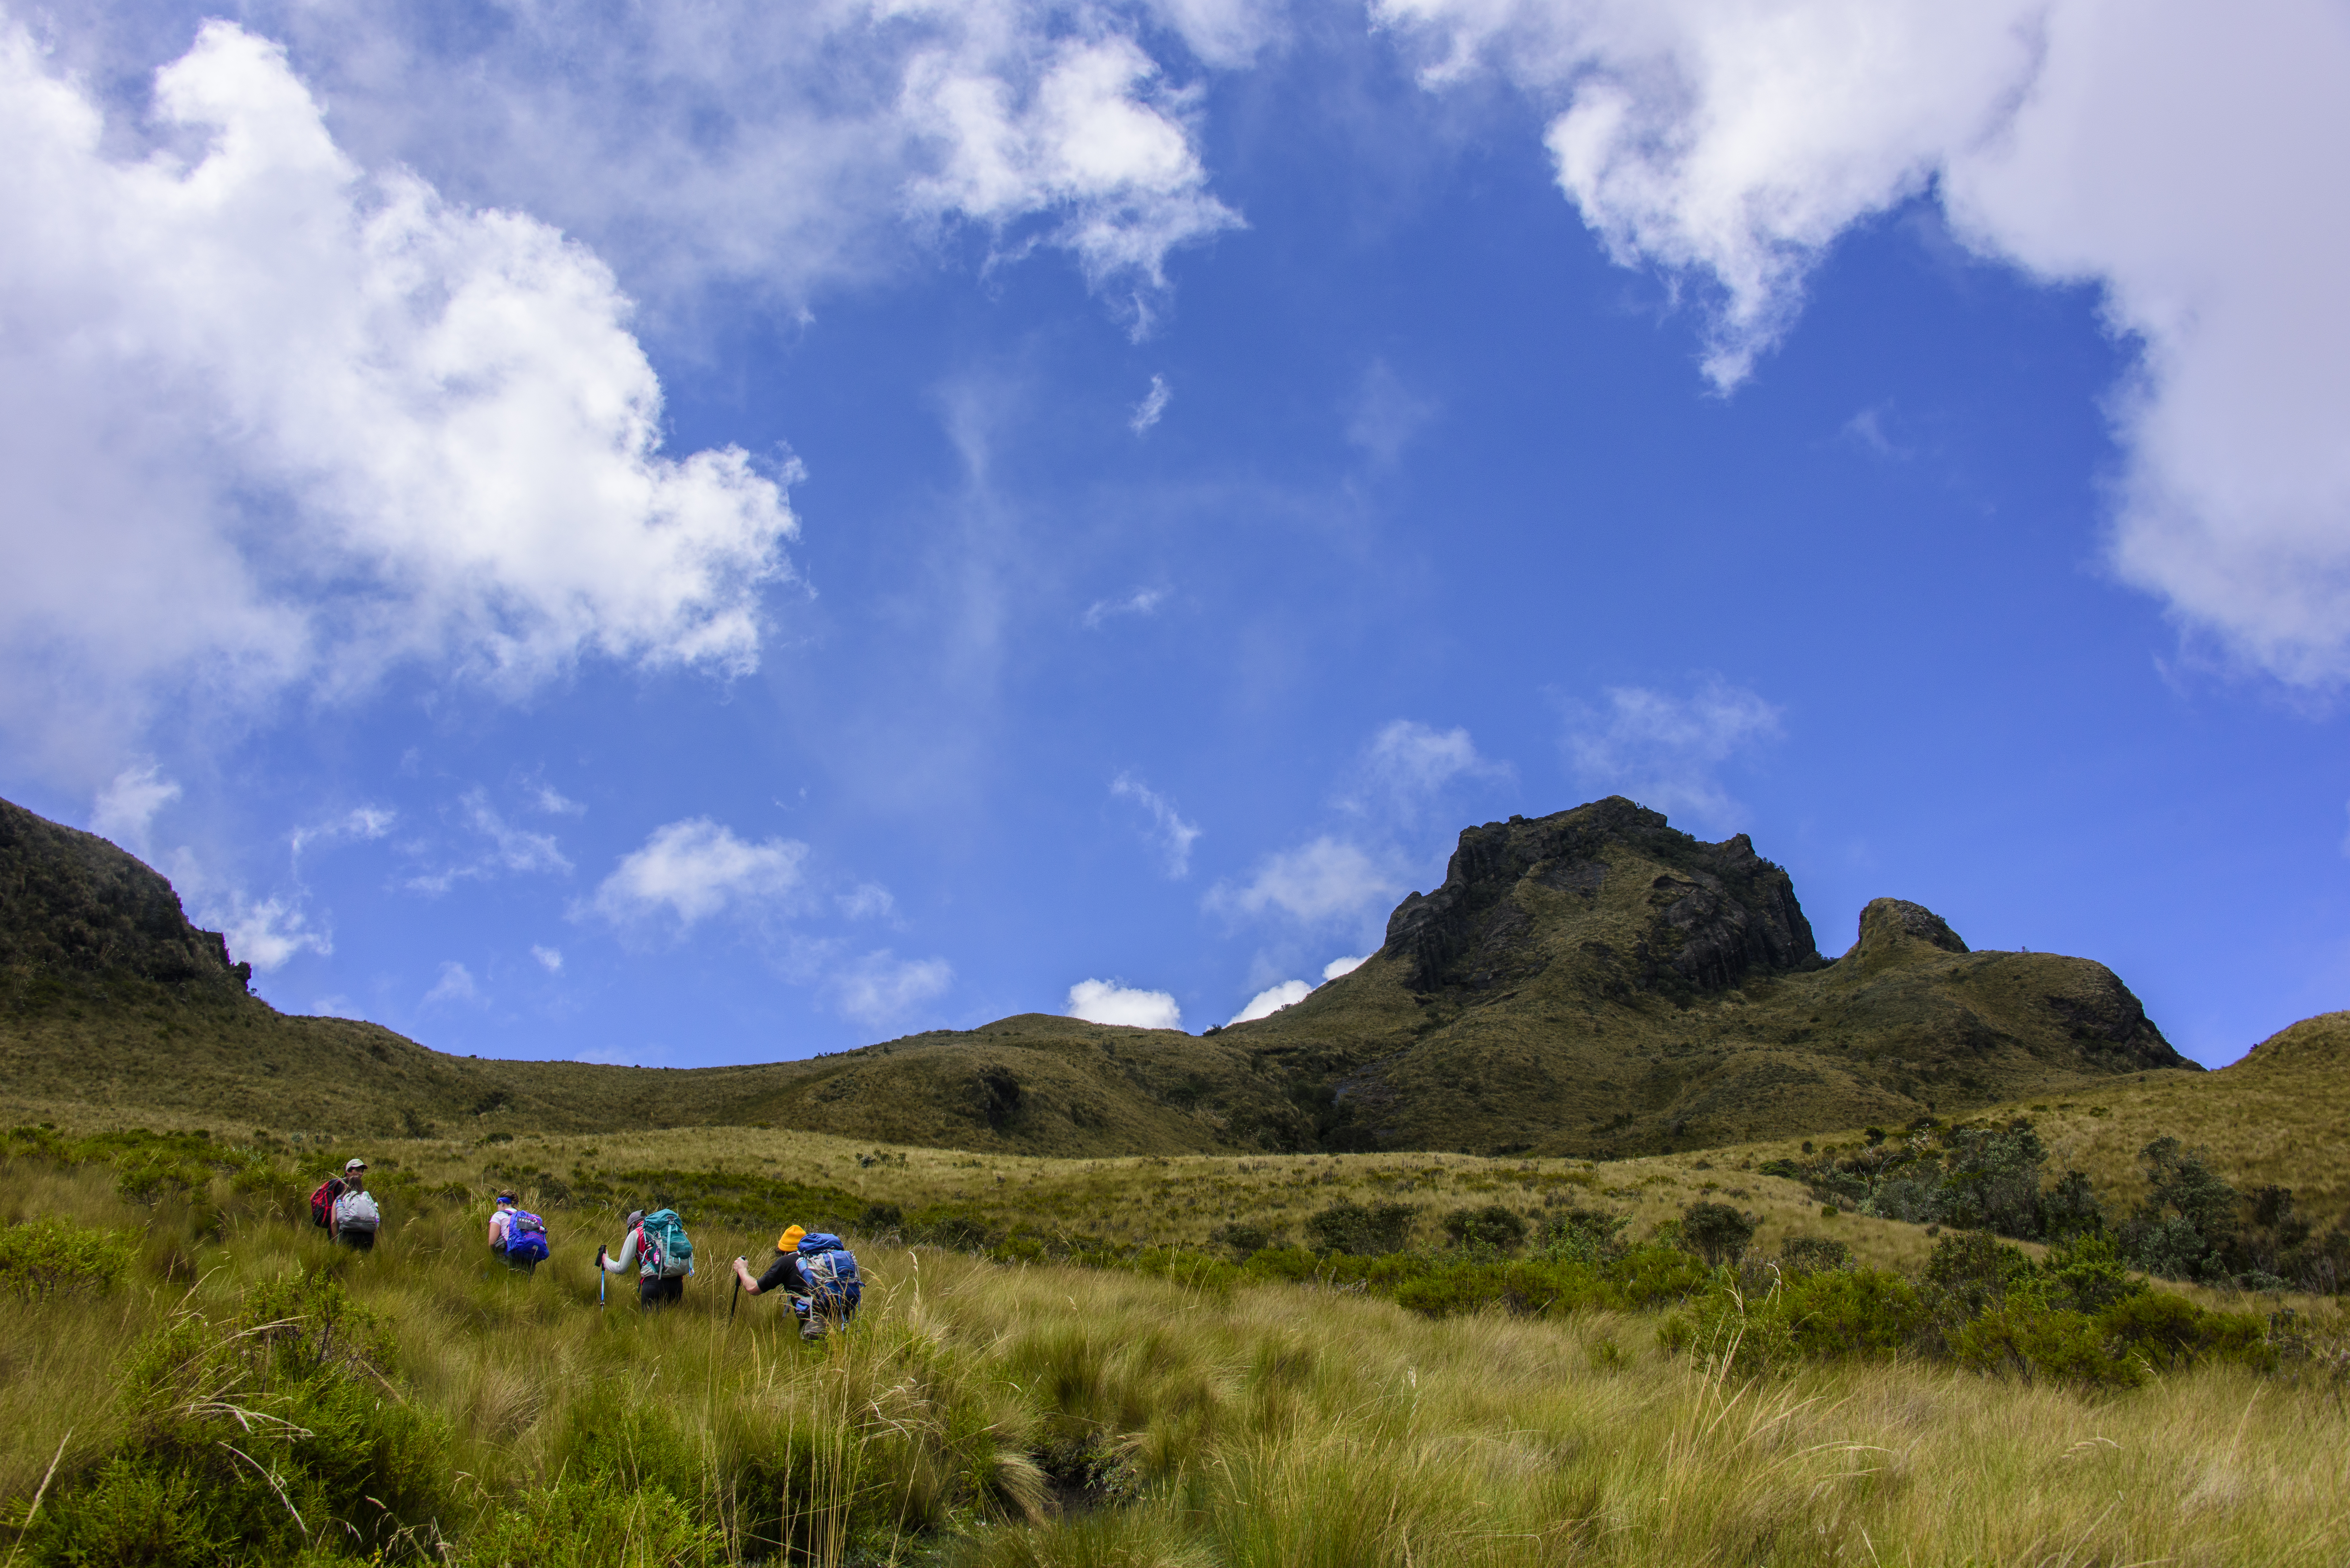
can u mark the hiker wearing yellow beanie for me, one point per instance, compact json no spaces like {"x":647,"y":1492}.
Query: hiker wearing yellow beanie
{"x":819,"y":1273}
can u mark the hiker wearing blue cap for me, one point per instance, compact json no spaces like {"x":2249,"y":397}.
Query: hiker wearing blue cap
{"x":517,"y":1235}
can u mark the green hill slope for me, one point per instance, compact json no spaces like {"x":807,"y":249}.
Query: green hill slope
{"x":1593,"y":982}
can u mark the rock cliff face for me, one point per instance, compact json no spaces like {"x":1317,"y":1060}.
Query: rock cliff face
{"x":73,"y":906}
{"x":1718,"y":912}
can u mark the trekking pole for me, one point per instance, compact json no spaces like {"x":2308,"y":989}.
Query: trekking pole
{"x":735,"y":1302}
{"x":600,"y":1279}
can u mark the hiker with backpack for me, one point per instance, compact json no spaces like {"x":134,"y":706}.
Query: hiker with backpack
{"x":517,"y":1235}
{"x":662,"y":1253}
{"x":344,"y":1206}
{"x":818,"y":1270}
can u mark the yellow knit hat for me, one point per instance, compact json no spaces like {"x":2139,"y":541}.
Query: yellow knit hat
{"x":789,"y":1241}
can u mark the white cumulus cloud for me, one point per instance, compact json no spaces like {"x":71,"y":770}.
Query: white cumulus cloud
{"x":2181,"y":157}
{"x":272,"y":418}
{"x":691,"y":871}
{"x":1095,"y":138}
{"x":1664,"y":751}
{"x":1272,"y":999}
{"x":1338,"y":966}
{"x":784,"y":148}
{"x":1109,"y":1002}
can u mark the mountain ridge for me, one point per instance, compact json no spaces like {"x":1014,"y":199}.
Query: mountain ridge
{"x":1592,"y":982}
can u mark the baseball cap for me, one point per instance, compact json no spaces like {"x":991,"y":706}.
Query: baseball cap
{"x":354,"y":1165}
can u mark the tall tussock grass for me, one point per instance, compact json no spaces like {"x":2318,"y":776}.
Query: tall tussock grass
{"x":240,"y":1391}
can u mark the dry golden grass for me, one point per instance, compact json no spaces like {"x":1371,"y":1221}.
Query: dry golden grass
{"x":1274,"y":1426}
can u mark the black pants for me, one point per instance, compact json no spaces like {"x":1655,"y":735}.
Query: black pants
{"x":659,"y":1293}
{"x":520,"y":1266}
{"x":358,"y":1241}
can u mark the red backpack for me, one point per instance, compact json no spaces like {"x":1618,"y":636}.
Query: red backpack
{"x":322,"y":1202}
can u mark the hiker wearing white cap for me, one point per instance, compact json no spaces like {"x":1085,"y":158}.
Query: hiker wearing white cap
{"x":352,"y":1217}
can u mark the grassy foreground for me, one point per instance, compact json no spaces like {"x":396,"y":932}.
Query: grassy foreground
{"x":992,"y":1414}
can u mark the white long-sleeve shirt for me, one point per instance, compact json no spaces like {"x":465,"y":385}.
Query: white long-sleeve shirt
{"x":627,"y":1258}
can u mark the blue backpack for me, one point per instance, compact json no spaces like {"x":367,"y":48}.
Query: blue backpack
{"x":831,"y":1268}
{"x":667,"y":1252}
{"x":526,"y":1237}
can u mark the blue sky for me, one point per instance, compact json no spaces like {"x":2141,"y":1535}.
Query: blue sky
{"x":686,"y":534}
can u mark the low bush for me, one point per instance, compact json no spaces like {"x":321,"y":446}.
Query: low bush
{"x":1716,"y":1231}
{"x":1493,"y":1228}
{"x":1360,"y":1229}
{"x":47,"y":1258}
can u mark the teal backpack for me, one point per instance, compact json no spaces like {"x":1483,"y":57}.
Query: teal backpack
{"x":668,"y":1251}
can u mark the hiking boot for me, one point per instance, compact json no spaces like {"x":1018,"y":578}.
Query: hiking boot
{"x":812,"y":1330}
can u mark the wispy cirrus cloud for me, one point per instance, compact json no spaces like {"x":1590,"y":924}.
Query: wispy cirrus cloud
{"x":504,"y":849}
{"x":881,"y":989}
{"x":1153,"y":406}
{"x":1666,"y":751}
{"x":1168,"y":833}
{"x":1141,"y":602}
{"x":126,"y":808}
{"x":1326,"y":881}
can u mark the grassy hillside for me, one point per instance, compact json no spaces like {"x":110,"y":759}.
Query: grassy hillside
{"x":240,"y":1387}
{"x":2278,"y":1117}
{"x":2273,"y":1120}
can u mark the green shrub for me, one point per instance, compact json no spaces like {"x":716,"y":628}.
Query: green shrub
{"x":1494,"y":1227}
{"x":1657,"y":1273}
{"x":1848,"y":1312}
{"x":1969,"y":1273}
{"x":1361,"y":1230}
{"x":2088,"y":1275}
{"x":2031,"y":1341}
{"x":45,"y":1258}
{"x":1716,"y":1231}
{"x":1244,"y":1238}
{"x":2171,"y":1331}
{"x":1585,"y":1235}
